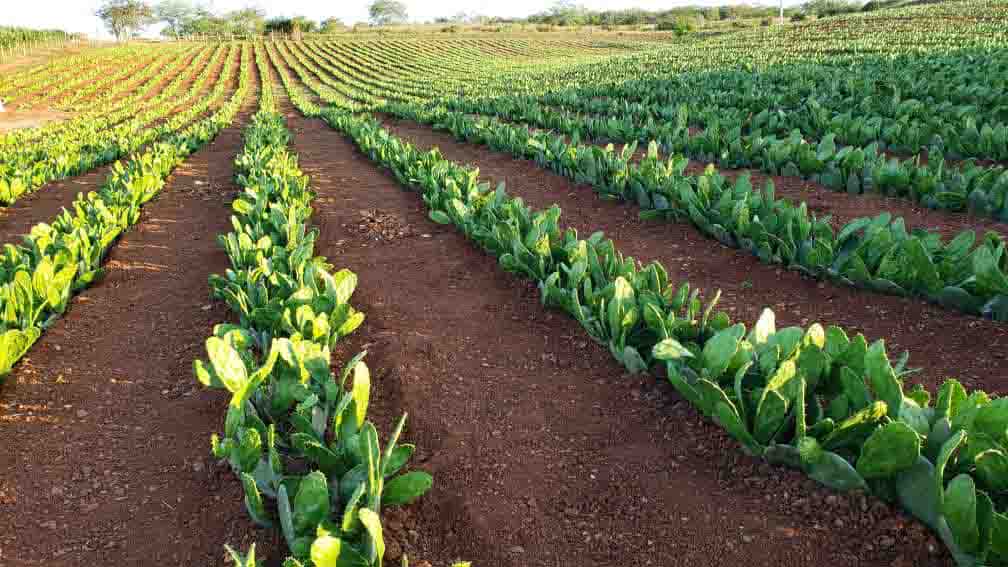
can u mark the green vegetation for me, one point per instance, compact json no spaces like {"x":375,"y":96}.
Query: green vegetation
{"x":816,"y":399}
{"x":287,"y":408}
{"x":19,"y":41}
{"x":861,"y":100}
{"x":11,"y":37}
{"x":820,"y":399}
{"x":876,"y":253}
{"x":38,"y":277}
{"x":125,"y":18}
{"x":92,"y":140}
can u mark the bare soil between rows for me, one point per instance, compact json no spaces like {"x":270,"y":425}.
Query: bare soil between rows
{"x":942,"y":342}
{"x":105,"y":446}
{"x":46,"y":202}
{"x":120,"y":73}
{"x":822,"y":201}
{"x":543,"y":451}
{"x":844,"y":207}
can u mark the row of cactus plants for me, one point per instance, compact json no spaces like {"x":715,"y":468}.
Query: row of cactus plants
{"x":856,"y":169}
{"x":817,"y":399}
{"x":810,"y":98}
{"x":295,"y":433}
{"x":878,"y":253}
{"x":27,"y":168}
{"x":55,"y":260}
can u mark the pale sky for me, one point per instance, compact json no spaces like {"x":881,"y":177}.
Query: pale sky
{"x":78,"y":15}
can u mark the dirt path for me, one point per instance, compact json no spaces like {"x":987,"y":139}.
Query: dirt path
{"x":105,"y":444}
{"x":943,"y":342}
{"x":543,"y":452}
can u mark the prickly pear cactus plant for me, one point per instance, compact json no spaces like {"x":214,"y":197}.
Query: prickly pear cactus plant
{"x":295,"y":434}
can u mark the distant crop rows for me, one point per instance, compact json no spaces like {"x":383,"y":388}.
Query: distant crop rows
{"x":908,"y":108}
{"x":819,"y":399}
{"x":61,"y":257}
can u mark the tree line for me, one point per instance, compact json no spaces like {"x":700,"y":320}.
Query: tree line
{"x":570,"y":13}
{"x":183,"y":18}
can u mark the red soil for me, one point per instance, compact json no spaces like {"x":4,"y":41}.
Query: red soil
{"x":105,"y":449}
{"x":543,"y":451}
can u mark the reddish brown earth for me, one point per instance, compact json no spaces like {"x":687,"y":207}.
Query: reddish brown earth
{"x":543,"y":451}
{"x":105,"y":445}
{"x":840,"y":205}
{"x":844,"y":207}
{"x":943,"y":342}
{"x":56,"y":82}
{"x":31,"y":118}
{"x":58,"y":92}
{"x":44,"y":204}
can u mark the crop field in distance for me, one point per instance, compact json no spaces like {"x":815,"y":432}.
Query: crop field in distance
{"x":509,"y":297}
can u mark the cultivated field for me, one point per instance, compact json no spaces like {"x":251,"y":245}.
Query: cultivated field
{"x":583,"y":299}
